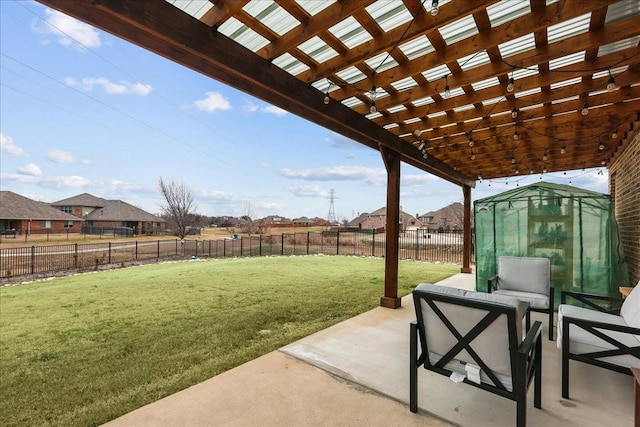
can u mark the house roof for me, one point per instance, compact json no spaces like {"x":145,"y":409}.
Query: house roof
{"x":15,"y":206}
{"x":84,"y":200}
{"x":446,"y":88}
{"x":451,"y":215}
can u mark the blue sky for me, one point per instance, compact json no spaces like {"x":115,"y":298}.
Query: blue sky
{"x":83,"y":111}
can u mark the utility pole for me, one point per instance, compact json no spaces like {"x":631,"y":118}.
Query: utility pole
{"x":331,"y":218}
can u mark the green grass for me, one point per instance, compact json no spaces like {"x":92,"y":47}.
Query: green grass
{"x":84,"y":349}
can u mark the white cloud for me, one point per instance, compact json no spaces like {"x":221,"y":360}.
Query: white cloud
{"x":31,"y":170}
{"x":123,"y":88}
{"x":212,"y":102}
{"x":68,"y":32}
{"x":56,"y":155}
{"x":251,"y":107}
{"x":307,"y":191}
{"x":373,"y":176}
{"x":7,"y":146}
{"x":422,"y":179}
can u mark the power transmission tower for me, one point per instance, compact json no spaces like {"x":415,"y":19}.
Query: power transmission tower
{"x":332,"y":211}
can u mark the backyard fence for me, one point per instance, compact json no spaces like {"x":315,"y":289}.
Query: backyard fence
{"x":417,"y":244}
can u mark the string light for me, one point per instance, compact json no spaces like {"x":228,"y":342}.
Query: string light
{"x":611,"y":83}
{"x":614,"y":135}
{"x":601,"y":146}
{"x":373,"y":94}
{"x":447,"y":91}
{"x":585,"y":109}
{"x":563,"y":150}
{"x":511,"y":85}
{"x":421,"y":146}
{"x":473,"y":155}
{"x":434,"y":8}
{"x":514,"y":113}
{"x":516,"y":135}
{"x":471,"y":143}
{"x":544,"y":156}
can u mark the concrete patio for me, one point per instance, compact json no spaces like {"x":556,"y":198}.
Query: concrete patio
{"x":356,"y":373}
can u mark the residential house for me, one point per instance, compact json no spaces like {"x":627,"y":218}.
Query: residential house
{"x":21,"y":215}
{"x":103,"y":213}
{"x":377,"y":220}
{"x":449,"y":218}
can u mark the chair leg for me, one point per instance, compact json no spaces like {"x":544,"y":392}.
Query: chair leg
{"x":551,"y":324}
{"x":537,"y":381}
{"x":413,"y":368}
{"x":528,"y":320}
{"x":565,"y":359}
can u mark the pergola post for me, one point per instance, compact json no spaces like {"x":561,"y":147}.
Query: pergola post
{"x":392,"y":164}
{"x":466,"y":234}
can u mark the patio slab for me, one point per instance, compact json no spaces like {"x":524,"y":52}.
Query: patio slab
{"x":356,"y":373}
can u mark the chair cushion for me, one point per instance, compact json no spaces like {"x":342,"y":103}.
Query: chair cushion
{"x":630,"y":310}
{"x":525,"y":274}
{"x":583,"y":342}
{"x":492,"y":345}
{"x":537,"y":301}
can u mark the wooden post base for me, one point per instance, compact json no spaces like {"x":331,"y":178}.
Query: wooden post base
{"x":389,"y":302}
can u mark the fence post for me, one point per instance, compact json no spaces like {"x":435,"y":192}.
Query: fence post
{"x":417,"y":254}
{"x":260,"y":246}
{"x":373,"y":243}
{"x":308,"y":234}
{"x":33,"y":259}
{"x":109,"y":252}
{"x":338,"y":243}
{"x":241,"y":244}
{"x":136,"y":250}
{"x":75,"y":256}
{"x":282,"y":245}
{"x":158,"y":249}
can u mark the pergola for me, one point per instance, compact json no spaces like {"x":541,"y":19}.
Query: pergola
{"x":461,"y":89}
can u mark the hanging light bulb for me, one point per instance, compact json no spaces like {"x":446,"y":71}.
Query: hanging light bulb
{"x":480,"y":176}
{"x":517,"y":171}
{"x":614,"y":135}
{"x":514,"y":113}
{"x":424,"y":154}
{"x":603,"y":162}
{"x":544,"y":156}
{"x":373,"y":109}
{"x":516,"y":135}
{"x":326,"y":99}
{"x":447,"y":91}
{"x":511,"y":85}
{"x":611,"y":83}
{"x":434,"y":8}
{"x":372,"y":95}
{"x":585,"y":109}
{"x":471,"y":143}
{"x":513,"y":160}
{"x":563,"y":150}
{"x":421,"y":146}
{"x":531,"y":171}
{"x":601,"y":146}
{"x":544,"y":169}
{"x":473,"y":155}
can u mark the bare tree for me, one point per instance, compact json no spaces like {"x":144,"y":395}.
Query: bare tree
{"x":248,"y":217}
{"x":180,"y":206}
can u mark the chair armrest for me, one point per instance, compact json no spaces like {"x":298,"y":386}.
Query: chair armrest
{"x":492,"y":284}
{"x":590,"y":299}
{"x":601,"y":325}
{"x":530,"y":339}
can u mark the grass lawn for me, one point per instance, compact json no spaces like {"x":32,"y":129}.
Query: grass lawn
{"x":85,"y":349}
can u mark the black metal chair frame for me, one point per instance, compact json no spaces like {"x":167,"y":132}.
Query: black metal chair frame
{"x":526,"y":357}
{"x":596,"y":329}
{"x":493,"y":285}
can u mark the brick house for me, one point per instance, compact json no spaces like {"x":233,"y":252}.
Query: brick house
{"x":377,"y":220}
{"x":103,"y":213}
{"x":21,"y":215}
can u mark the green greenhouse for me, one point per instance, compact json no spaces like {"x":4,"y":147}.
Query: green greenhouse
{"x":574,"y":228}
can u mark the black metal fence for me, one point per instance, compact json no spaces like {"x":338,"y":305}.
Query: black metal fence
{"x":419,"y":245}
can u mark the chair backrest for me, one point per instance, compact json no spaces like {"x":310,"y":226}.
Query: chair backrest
{"x":490,"y":326}
{"x":525,"y":274}
{"x":630,"y":310}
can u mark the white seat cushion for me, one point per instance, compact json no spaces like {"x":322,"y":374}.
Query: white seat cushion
{"x":525,"y":274}
{"x":584,"y":342}
{"x":630,"y":310}
{"x":538,"y":301}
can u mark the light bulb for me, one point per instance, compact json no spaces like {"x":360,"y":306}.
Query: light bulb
{"x":473,"y":156}
{"x":471,"y":144}
{"x":585,"y":109}
{"x":516,"y":135}
{"x":601,"y":147}
{"x":480,"y":176}
{"x":517,"y":171}
{"x":614,"y":135}
{"x":434,"y":8}
{"x":373,"y":109}
{"x":326,"y":99}
{"x":511,"y":86}
{"x":513,"y":160}
{"x":514,"y":113}
{"x":544,"y":169}
{"x":544,"y":156}
{"x":611,"y":84}
{"x":421,"y":146}
{"x":447,"y":91}
{"x":425,"y":155}
{"x":563,"y":150}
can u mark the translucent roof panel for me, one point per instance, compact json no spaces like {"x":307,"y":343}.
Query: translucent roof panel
{"x":492,"y":100}
{"x":464,"y":108}
{"x":493,"y":81}
{"x":422,"y":101}
{"x":195,"y":8}
{"x":350,"y":32}
{"x":290,"y":64}
{"x":389,"y":14}
{"x":459,"y":30}
{"x":416,"y":48}
{"x":455,"y":92}
{"x":381,"y":62}
{"x":528,"y":92}
{"x":475,"y":60}
{"x":569,"y":28}
{"x":569,"y":82}
{"x":351,"y":75}
{"x":404,"y":84}
{"x":313,"y":7}
{"x":518,"y":45}
{"x":436,"y":73}
{"x":271,"y":15}
{"x":521,"y":73}
{"x":507,"y":10}
{"x":619,"y":45}
{"x":317,"y":49}
{"x":622,"y":10}
{"x":396,"y":109}
{"x":352,"y":102}
{"x":574,"y":58}
{"x":242,"y":34}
